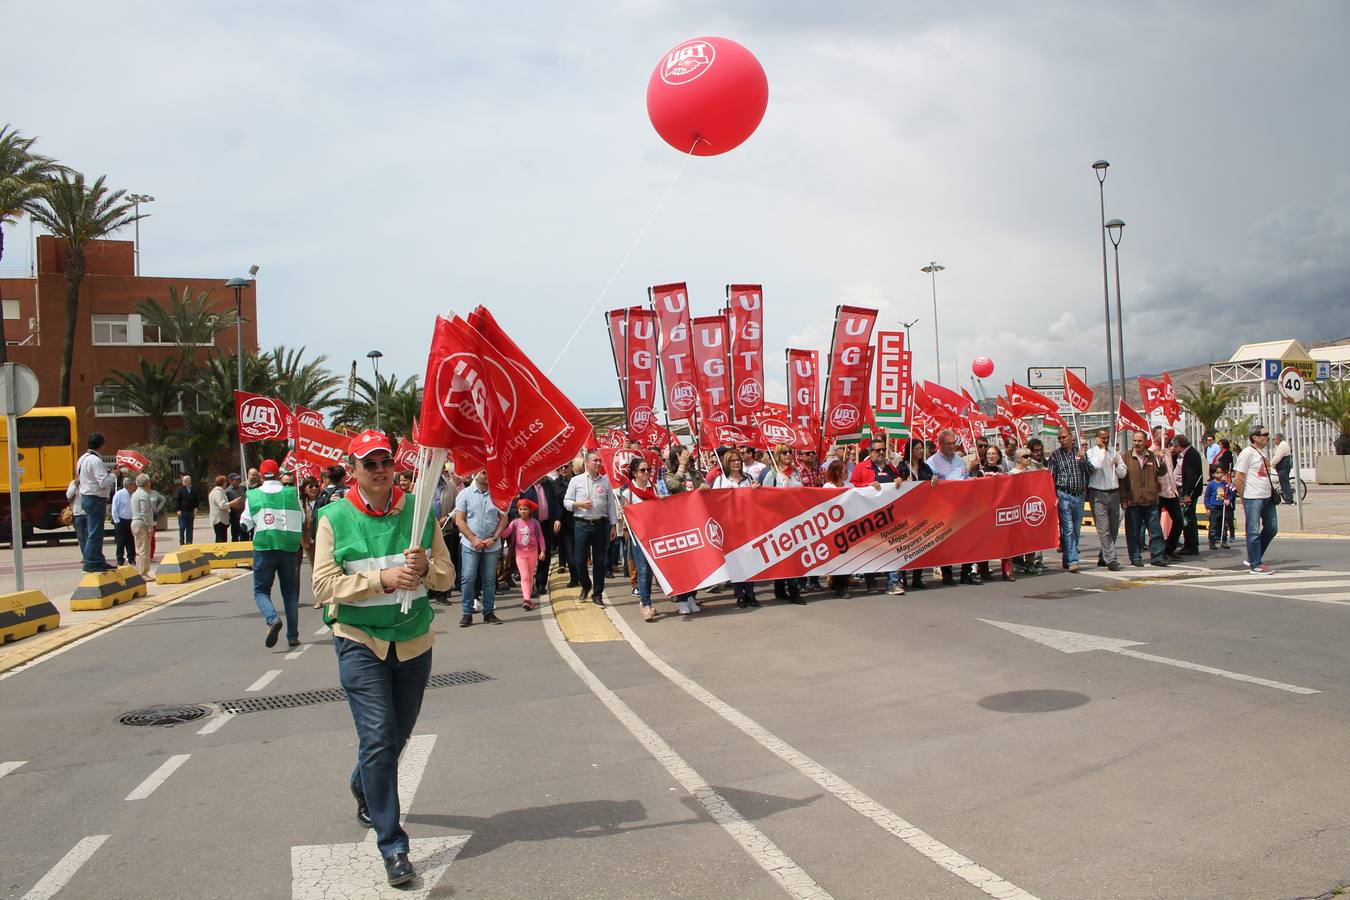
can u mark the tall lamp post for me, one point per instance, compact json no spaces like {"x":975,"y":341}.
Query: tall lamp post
{"x":138,"y":199}
{"x":1100,"y":167}
{"x":374,"y":356}
{"x":238,"y":284}
{"x":1114,"y":229}
{"x":932,"y":269}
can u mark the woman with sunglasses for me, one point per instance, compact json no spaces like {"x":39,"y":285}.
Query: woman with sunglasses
{"x":733,"y":475}
{"x":640,"y":488}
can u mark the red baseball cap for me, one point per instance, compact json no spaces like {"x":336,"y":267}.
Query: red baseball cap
{"x":269,"y":468}
{"x":367,"y":442}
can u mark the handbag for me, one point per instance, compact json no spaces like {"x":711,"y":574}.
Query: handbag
{"x":67,"y":517}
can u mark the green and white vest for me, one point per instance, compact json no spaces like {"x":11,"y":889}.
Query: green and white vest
{"x":277,"y":519}
{"x":363,"y":543}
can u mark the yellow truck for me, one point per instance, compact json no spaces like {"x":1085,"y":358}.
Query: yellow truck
{"x":48,"y":449}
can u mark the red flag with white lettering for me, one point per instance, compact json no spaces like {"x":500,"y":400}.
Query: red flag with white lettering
{"x":1129,"y":420}
{"x":671,"y":302}
{"x":745,"y":310}
{"x":710,"y":368}
{"x":639,"y":368}
{"x":320,"y":446}
{"x":405,"y":458}
{"x":1076,"y":393}
{"x":261,"y":418}
{"x":132,"y":460}
{"x":846,"y":383}
{"x":803,"y":380}
{"x":1021,"y":397}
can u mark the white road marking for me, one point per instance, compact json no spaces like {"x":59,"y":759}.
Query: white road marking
{"x":411,"y":764}
{"x":264,"y":681}
{"x":1280,"y":575}
{"x":1074,"y":642}
{"x":790,"y":877}
{"x":1260,"y":590}
{"x":356,"y":872}
{"x":158,"y":777}
{"x":991,"y":883}
{"x":323,"y":629}
{"x":61,"y":873}
{"x":7,"y":767}
{"x":216,"y":724}
{"x":295,"y":654}
{"x":101,"y":632}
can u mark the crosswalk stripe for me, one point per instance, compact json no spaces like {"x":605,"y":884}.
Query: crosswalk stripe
{"x":1257,"y":590}
{"x":1278,"y":576}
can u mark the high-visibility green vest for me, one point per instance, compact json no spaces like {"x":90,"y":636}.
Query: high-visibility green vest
{"x":277,"y":519}
{"x":363,"y":543}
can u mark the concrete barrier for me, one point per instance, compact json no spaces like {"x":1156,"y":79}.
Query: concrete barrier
{"x":227,"y":555}
{"x":104,"y":590}
{"x":182,"y":565}
{"x":25,"y":613}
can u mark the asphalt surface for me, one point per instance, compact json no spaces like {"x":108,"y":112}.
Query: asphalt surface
{"x":994,"y":765}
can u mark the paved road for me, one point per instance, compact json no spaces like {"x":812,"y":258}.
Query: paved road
{"x":874,"y":747}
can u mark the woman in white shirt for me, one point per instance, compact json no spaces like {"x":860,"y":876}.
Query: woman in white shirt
{"x":640,"y":488}
{"x":218,"y":510}
{"x":733,"y":475}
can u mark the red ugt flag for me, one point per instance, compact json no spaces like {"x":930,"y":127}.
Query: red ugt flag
{"x":710,"y":367}
{"x":803,"y":380}
{"x":261,"y":418}
{"x":745,"y":309}
{"x":671,"y":302}
{"x":639,"y":369}
{"x":847,"y":383}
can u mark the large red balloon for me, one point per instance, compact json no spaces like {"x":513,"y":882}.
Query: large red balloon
{"x":708,"y":94}
{"x":983,"y":367}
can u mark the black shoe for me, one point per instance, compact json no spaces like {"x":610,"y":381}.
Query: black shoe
{"x":948,"y":580}
{"x":573,"y":583}
{"x":466,"y":620}
{"x":443,"y":601}
{"x":1173,"y":555}
{"x":1137,"y":563}
{"x":597,"y":600}
{"x":273,"y":631}
{"x":491,"y":619}
{"x":797,"y":601}
{"x":753,"y":603}
{"x":969,"y":579}
{"x":399,"y":870}
{"x":362,"y":811}
{"x":918,"y":585}
{"x":1161,"y":563}
{"x":292,"y":644}
{"x":1114,"y":565}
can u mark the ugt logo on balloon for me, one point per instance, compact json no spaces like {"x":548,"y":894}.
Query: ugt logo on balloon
{"x":687,"y":61}
{"x":260,"y":419}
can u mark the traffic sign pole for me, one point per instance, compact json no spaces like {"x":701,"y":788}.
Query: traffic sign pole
{"x":1293,"y":388}
{"x":1298,"y":495}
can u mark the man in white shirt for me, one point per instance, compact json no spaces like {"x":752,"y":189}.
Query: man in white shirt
{"x":1108,"y":467}
{"x":1282,"y":461}
{"x":595,"y":517}
{"x":96,"y":485}
{"x":1252,"y":483}
{"x":121,"y":521}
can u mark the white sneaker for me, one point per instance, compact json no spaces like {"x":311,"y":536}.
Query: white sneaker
{"x":478,"y":606}
{"x":684,"y":609}
{"x":693,"y":605}
{"x":1262,"y":569}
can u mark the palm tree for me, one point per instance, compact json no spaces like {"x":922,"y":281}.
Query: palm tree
{"x":400,"y":409}
{"x":77,"y":214}
{"x":189,"y":322}
{"x":1329,"y":401}
{"x":299,"y":383}
{"x":22,"y":175}
{"x":210,"y":429}
{"x":155,"y":392}
{"x":1207,"y":403}
{"x":399,"y":405}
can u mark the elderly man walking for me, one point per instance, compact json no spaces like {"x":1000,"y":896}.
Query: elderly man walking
{"x":595,"y":516}
{"x":143,"y":524}
{"x":121,"y":521}
{"x":1108,"y":467}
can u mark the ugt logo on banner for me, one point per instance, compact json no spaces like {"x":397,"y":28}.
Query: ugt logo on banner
{"x":261,"y":418}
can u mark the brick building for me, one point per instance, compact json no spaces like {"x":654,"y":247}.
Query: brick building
{"x":109,"y":334}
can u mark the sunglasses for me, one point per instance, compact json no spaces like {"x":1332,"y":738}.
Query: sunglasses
{"x":372,"y":465}
{"x":644,"y":469}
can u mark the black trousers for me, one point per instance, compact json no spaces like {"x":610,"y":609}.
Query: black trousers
{"x":591,"y":536}
{"x":566,"y":552}
{"x":1172,"y":506}
{"x":1190,"y":535}
{"x":125,"y":543}
{"x":545,"y":557}
{"x":222,"y":531}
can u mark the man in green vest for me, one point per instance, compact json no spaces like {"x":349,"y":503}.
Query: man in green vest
{"x":272,"y":512}
{"x":362,"y":561}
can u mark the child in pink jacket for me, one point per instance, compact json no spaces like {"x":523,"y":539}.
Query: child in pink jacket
{"x":527,"y":537}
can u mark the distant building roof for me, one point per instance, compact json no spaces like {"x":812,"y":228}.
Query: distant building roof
{"x":1285,"y":350}
{"x":1338,"y":353}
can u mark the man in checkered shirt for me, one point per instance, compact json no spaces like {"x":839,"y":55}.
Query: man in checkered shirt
{"x":1071,"y":470}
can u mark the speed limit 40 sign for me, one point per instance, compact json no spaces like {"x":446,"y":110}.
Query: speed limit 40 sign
{"x":1292,"y":385}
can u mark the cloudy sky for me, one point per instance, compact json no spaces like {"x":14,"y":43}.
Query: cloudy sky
{"x":384,"y":162}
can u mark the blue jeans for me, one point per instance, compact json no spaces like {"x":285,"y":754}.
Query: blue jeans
{"x":95,"y":510}
{"x":1070,"y":523}
{"x":185,"y":521}
{"x":470,"y":561}
{"x":592,"y":536}
{"x":1138,"y":520}
{"x":1262,"y":526}
{"x":385,"y":696}
{"x":282,"y":565}
{"x":644,"y":574}
{"x":81,"y":530}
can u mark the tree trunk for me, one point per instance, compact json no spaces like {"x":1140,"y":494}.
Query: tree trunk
{"x":4,"y":342}
{"x":74,"y":275}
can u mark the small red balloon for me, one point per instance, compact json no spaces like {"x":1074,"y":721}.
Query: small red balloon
{"x":707,"y":95}
{"x":983,"y":367}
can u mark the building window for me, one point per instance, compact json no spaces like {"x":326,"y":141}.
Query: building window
{"x":150,"y":333}
{"x":111,"y":330}
{"x":107,"y":404}
{"x":11,"y":308}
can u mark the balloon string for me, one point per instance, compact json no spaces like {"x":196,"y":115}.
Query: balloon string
{"x":623,"y":262}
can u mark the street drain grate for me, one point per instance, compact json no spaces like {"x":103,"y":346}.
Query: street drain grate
{"x":163,"y":716}
{"x":330,"y":695}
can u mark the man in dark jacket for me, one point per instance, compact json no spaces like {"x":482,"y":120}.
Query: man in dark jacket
{"x":185,"y":503}
{"x":1139,"y":498}
{"x":1192,"y":466}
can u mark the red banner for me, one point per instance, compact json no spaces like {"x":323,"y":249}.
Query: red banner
{"x":405,"y":457}
{"x":616,"y":320}
{"x":612,"y":437}
{"x":1129,"y":420}
{"x":803,"y":380}
{"x":846,"y":384}
{"x":775,"y":430}
{"x":261,"y":418}
{"x":320,"y":446}
{"x":710,"y":368}
{"x":671,"y":302}
{"x":745,"y":311}
{"x":727,"y":435}
{"x":639,"y":369}
{"x":1076,"y":393}
{"x":309,"y":416}
{"x":132,"y":460}
{"x":1024,"y":401}
{"x":614,"y":462}
{"x":955,"y":406}
{"x":700,"y":538}
{"x":448,"y":420}
{"x":1160,"y":396}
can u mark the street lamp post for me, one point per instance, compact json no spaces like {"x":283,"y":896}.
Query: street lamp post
{"x":239,"y":284}
{"x":374,"y":356}
{"x":1114,"y":229}
{"x":138,"y":199}
{"x":932,"y":269}
{"x":1100,"y":167}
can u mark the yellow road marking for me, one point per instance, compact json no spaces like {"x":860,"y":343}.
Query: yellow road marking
{"x":581,"y":623}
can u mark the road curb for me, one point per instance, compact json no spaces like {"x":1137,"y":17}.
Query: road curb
{"x":1313,"y":535}
{"x":43,"y":644}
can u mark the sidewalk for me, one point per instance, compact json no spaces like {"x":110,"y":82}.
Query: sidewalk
{"x":1326,"y":510}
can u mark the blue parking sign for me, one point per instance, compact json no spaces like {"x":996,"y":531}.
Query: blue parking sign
{"x":1273,"y":367}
